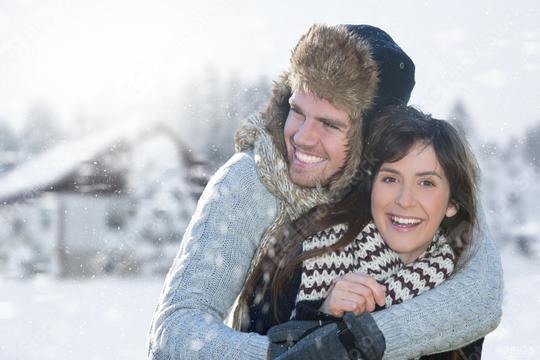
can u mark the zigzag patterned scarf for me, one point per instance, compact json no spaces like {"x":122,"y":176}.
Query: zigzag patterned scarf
{"x":368,"y":254}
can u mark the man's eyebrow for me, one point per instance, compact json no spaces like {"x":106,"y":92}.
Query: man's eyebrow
{"x":295,"y":106}
{"x":334,"y":122}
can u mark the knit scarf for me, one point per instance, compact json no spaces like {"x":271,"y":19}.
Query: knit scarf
{"x":368,"y":254}
{"x":272,"y":169}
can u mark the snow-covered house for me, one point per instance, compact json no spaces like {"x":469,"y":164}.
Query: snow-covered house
{"x":84,"y":207}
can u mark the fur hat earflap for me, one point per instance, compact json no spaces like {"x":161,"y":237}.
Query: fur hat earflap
{"x":335,"y":64}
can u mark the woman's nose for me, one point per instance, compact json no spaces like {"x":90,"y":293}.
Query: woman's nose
{"x":406,"y":197}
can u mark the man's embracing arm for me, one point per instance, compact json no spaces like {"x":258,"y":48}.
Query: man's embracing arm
{"x":461,"y":310}
{"x":210,"y":268}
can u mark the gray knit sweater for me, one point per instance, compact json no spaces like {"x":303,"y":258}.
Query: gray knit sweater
{"x":214,"y":257}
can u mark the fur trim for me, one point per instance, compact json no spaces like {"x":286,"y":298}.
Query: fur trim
{"x":293,"y":200}
{"x":277,"y":111}
{"x":336,"y":65}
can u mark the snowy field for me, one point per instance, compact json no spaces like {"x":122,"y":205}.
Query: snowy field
{"x":518,"y":334}
{"x":84,"y":320}
{"x":109,"y":318}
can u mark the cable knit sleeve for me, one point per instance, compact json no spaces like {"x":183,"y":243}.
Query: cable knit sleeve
{"x":462,"y":309}
{"x":209,"y":270}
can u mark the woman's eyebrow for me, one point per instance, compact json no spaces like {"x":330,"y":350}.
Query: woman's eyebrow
{"x":390,"y":170}
{"x":423,"y":173}
{"x":426,"y":173}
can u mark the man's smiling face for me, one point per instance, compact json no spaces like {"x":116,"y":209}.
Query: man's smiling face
{"x":316,"y":139}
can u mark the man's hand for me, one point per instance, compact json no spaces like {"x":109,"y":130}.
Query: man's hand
{"x":353,"y":292}
{"x":355,"y":337}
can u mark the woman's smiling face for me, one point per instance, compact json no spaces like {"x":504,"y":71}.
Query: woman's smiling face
{"x":409,"y":200}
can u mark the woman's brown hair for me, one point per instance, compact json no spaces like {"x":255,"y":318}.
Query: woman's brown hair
{"x":389,"y":137}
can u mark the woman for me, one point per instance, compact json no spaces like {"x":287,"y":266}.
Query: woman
{"x":405,"y":224}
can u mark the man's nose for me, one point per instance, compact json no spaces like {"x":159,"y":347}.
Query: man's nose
{"x":406,"y":197}
{"x":306,"y":134}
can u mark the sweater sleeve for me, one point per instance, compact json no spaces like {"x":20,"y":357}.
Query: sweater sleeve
{"x":462,"y":309}
{"x":209,"y":269}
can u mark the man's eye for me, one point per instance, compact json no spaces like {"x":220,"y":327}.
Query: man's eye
{"x":296,"y":114}
{"x":330,"y":125}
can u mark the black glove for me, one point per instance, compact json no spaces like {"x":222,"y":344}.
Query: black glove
{"x":286,"y":335}
{"x":356,"y":337}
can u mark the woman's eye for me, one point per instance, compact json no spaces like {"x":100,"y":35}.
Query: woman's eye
{"x":388,"y":179}
{"x":427,"y":183}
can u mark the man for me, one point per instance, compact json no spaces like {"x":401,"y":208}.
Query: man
{"x":303,"y":151}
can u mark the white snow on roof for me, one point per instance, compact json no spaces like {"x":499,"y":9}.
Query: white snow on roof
{"x":43,"y":170}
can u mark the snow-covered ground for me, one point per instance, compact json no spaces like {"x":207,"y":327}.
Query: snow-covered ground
{"x":108,"y":318}
{"x":101,"y":319}
{"x":518,"y":334}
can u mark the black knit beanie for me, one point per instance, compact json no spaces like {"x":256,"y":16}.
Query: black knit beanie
{"x":396,"y":69}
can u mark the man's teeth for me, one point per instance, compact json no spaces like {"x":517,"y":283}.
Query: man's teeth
{"x":308,"y":158}
{"x":405,"y":221}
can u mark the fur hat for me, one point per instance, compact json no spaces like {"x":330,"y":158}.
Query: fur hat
{"x":357,"y":68}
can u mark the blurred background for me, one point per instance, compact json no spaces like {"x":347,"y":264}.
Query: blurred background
{"x":113,"y":114}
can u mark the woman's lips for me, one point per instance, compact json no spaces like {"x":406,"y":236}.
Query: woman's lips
{"x":404,"y":224}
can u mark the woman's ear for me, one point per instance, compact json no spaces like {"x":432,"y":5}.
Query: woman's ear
{"x":452,"y":209}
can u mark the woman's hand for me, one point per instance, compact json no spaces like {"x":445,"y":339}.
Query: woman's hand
{"x":353,"y":292}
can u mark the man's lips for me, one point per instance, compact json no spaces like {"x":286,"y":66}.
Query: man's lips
{"x":306,"y":160}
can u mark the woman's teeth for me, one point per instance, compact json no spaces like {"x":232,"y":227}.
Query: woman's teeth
{"x":405,"y":221}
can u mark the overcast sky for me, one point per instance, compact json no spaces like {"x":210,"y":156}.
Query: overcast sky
{"x":127,"y":60}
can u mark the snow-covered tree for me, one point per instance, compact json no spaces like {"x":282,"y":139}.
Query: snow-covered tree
{"x":531,"y":148}
{"x":163,"y":202}
{"x":40,"y":130}
{"x":9,"y":146}
{"x":8,"y":139}
{"x":509,"y":191}
{"x":495,"y":189}
{"x":460,"y":118}
{"x":213,"y":109}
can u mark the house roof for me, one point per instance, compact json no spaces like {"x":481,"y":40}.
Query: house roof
{"x":42,"y":171}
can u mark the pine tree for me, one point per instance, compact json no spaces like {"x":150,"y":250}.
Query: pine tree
{"x":531,"y":148}
{"x":40,"y":130}
{"x":9,"y":146}
{"x":213,"y":109}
